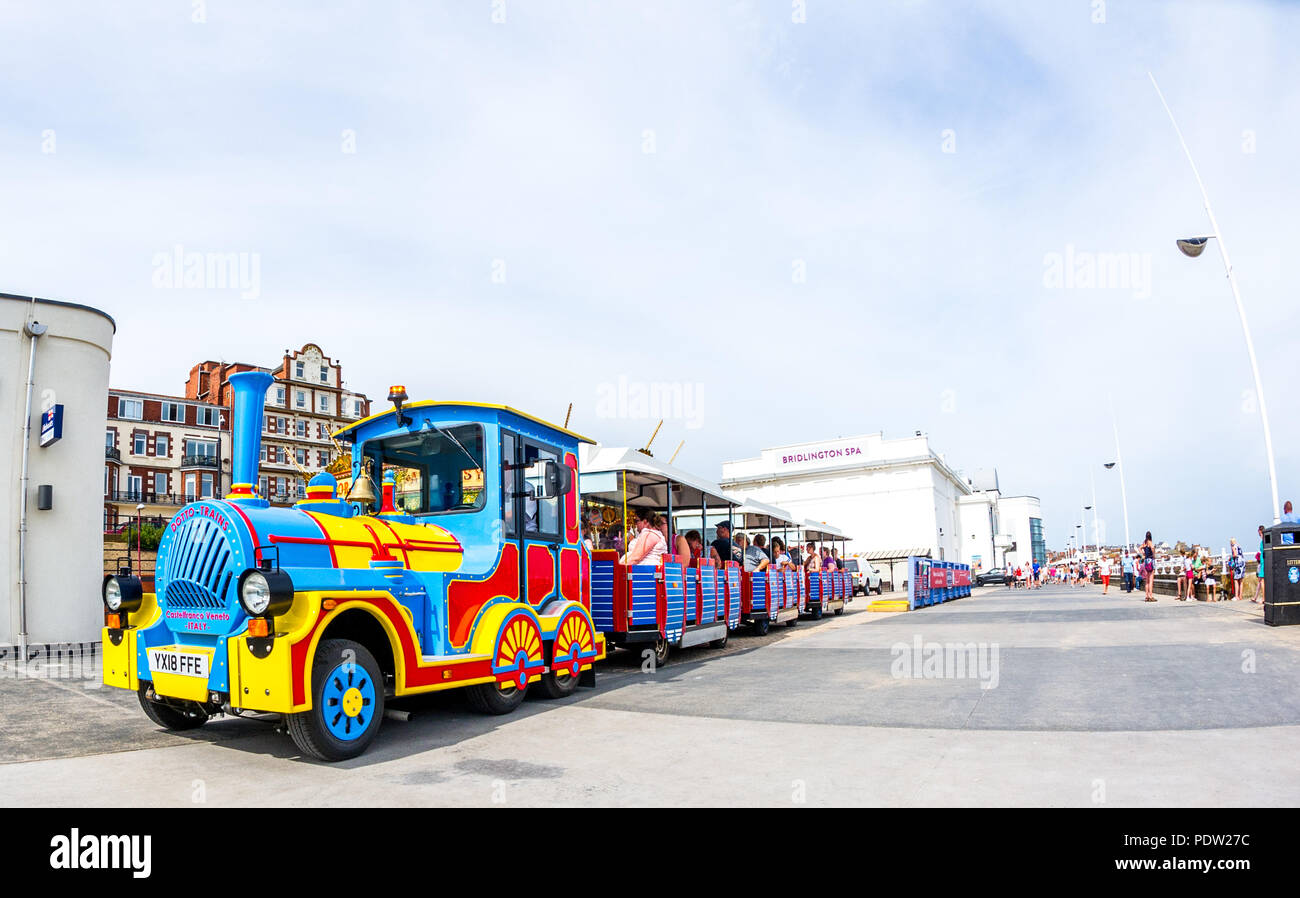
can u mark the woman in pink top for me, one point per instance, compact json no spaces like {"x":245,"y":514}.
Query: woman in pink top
{"x":648,"y":546}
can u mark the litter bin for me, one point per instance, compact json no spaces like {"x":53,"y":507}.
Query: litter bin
{"x":1280,"y":565}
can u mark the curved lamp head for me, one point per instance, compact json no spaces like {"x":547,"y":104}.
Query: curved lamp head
{"x":1193,"y":246}
{"x":1108,"y":465}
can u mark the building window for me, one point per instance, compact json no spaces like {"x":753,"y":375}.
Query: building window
{"x":110,"y":437}
{"x":191,"y":483}
{"x":302,"y":490}
{"x":302,"y":428}
{"x":261,"y":487}
{"x":197,"y":449}
{"x":302,"y":456}
{"x":299,"y":370}
{"x":356,"y":408}
{"x":324,"y":403}
{"x":130,"y":408}
{"x":300,"y":399}
{"x":209,"y":417}
{"x":324,"y":375}
{"x":133,"y":487}
{"x":207,"y":486}
{"x":173,"y":411}
{"x":160,"y":484}
{"x":160,"y":445}
{"x":105,"y":480}
{"x":279,"y":396}
{"x":138,"y":444}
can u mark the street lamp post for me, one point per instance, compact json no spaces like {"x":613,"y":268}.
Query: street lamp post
{"x":1096,"y":525}
{"x":1123,"y":491}
{"x":1193,"y":247}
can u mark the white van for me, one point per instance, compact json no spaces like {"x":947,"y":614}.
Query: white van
{"x":866,"y":576}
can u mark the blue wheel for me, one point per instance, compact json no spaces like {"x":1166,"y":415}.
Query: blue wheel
{"x":347,"y":702}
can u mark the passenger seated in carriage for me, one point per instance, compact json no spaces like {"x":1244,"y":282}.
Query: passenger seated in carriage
{"x":780,"y":558}
{"x":696,"y":544}
{"x":755,"y":556}
{"x":814,"y":562}
{"x":648,"y":545}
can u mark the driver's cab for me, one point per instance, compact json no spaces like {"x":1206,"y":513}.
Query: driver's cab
{"x":501,"y":482}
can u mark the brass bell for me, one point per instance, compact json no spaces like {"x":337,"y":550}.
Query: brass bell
{"x":362,"y":491}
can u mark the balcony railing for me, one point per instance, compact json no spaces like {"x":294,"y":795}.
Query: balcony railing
{"x":199,"y":461}
{"x":112,"y":453}
{"x":176,"y":499}
{"x":284,"y":498}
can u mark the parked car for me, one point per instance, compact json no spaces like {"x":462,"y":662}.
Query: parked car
{"x":866,"y":576}
{"x":993,"y":575}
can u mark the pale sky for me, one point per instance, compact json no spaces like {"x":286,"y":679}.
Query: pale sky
{"x":816,"y":228}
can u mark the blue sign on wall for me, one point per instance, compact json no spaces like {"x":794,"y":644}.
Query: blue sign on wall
{"x":51,"y":425}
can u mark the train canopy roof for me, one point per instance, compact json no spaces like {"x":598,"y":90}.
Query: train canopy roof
{"x":754,"y":514}
{"x":350,"y":432}
{"x":820,"y":530}
{"x":649,"y":480}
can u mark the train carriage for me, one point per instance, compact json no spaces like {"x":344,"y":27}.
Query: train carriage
{"x":615,"y":483}
{"x":827,"y":591}
{"x":764,"y":601}
{"x":469,"y":573}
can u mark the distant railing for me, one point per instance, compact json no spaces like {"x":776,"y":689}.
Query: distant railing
{"x":199,"y":461}
{"x":112,"y":453}
{"x":122,"y":523}
{"x":177,"y":499}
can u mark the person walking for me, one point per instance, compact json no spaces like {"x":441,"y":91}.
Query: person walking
{"x":1238,"y":569}
{"x":1149,"y":567}
{"x":1259,"y":567}
{"x":1126,"y":567}
{"x":1105,"y":574}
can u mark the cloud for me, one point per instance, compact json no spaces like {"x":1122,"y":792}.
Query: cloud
{"x":649,"y":177}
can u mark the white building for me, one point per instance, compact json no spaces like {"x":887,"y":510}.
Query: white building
{"x":892,"y":497}
{"x":52,"y":594}
{"x":998,"y":530}
{"x":1022,"y":522}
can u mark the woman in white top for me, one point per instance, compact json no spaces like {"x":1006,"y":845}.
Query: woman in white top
{"x":648,"y":546}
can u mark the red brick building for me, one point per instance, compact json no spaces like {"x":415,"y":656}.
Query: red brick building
{"x":162,"y":451}
{"x":308,"y":401}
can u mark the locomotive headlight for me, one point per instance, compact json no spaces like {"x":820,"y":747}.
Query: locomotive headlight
{"x":122,"y":592}
{"x":265,"y":593}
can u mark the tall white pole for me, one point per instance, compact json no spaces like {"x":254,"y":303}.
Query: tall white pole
{"x":1241,"y":310}
{"x":1119,"y":459}
{"x":1096,"y":527}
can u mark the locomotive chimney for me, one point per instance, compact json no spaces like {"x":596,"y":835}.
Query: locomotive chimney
{"x":246,"y":435}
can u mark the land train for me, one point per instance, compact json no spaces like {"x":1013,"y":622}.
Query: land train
{"x":475,"y":565}
{"x":470,"y":573}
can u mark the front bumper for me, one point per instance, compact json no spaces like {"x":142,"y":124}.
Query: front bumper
{"x":251,"y":673}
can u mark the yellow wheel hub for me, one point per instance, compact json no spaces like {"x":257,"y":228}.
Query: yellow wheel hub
{"x":352,"y":702}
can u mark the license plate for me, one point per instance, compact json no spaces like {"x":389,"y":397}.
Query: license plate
{"x":185,"y":664}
